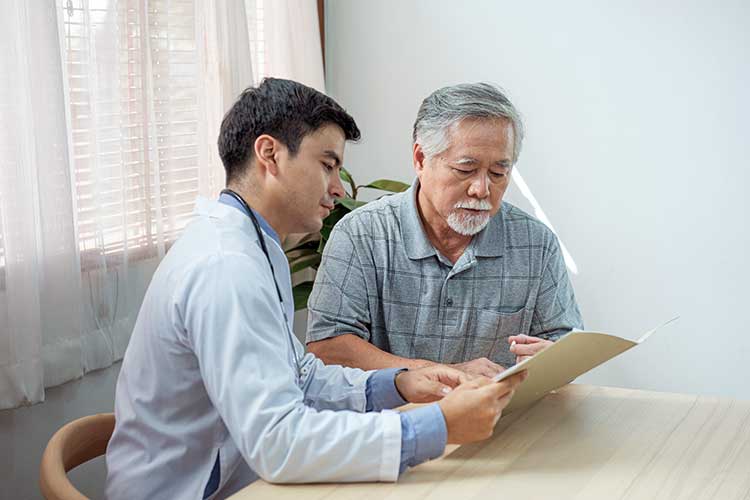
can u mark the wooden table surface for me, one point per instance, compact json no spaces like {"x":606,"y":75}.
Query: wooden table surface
{"x":583,"y":442}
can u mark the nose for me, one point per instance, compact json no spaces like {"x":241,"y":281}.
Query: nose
{"x":335,"y":187}
{"x":479,"y":187}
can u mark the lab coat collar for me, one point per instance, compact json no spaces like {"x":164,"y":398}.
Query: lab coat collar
{"x":232,"y":202}
{"x":230,"y":215}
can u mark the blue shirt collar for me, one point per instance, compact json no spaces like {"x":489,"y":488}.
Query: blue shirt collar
{"x":229,"y":200}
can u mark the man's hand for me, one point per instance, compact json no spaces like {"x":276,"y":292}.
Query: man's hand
{"x":525,"y":346}
{"x":482,"y":367}
{"x":428,"y":384}
{"x":472,"y":409}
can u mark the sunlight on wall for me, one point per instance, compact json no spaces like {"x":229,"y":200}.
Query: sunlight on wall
{"x":539,"y":214}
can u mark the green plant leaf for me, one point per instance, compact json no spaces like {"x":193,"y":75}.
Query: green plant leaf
{"x":301,"y":293}
{"x":307,"y":252}
{"x":347,"y":177}
{"x":388,"y":185}
{"x":304,"y":262}
{"x":336,"y":214}
{"x":351,"y":203}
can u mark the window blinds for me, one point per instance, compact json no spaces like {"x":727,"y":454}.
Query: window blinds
{"x":133,"y":82}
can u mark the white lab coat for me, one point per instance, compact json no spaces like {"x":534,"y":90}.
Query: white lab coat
{"x":209,"y":370}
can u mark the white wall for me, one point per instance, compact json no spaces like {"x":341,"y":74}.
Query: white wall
{"x":637,"y":150}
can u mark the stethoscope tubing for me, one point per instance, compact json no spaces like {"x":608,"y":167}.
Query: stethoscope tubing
{"x":263,"y":247}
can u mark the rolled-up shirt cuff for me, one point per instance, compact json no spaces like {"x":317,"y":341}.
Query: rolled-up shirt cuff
{"x":381,"y":392}
{"x":423,"y":435}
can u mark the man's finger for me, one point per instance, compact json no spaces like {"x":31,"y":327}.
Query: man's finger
{"x":488,"y":372}
{"x":516,"y":379}
{"x":451,"y":376}
{"x":428,"y":391}
{"x":489,"y":369}
{"x":437,"y":389}
{"x":510,"y":383}
{"x":505,"y":400}
{"x":498,"y":389}
{"x":474,"y":383}
{"x":481,"y":380}
{"x":523,"y":339}
{"x":491,"y":364}
{"x":525,"y":349}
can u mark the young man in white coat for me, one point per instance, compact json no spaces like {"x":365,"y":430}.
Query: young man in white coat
{"x":215,"y":391}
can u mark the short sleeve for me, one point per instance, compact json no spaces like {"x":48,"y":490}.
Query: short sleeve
{"x":339,"y":304}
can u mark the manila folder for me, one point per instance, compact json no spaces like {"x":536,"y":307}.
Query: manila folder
{"x":560,"y":363}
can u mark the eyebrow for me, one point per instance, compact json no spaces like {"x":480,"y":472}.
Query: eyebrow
{"x":332,"y":155}
{"x":467,"y":160}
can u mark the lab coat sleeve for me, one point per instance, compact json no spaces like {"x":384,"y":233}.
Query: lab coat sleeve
{"x":333,"y":387}
{"x":233,"y":323}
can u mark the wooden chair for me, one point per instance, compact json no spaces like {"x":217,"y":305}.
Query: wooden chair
{"x":75,"y":443}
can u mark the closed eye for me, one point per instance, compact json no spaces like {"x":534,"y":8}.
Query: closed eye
{"x":462,"y":172}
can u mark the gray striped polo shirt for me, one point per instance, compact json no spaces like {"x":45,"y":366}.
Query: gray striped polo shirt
{"x":381,"y":279}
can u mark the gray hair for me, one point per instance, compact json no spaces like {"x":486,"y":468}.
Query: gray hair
{"x":446,"y":107}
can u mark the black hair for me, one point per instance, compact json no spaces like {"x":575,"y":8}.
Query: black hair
{"x":283,"y":109}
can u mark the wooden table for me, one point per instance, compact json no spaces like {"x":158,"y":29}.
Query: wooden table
{"x":583,"y":442}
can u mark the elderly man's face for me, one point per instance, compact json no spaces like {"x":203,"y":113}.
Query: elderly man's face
{"x":464,"y":185}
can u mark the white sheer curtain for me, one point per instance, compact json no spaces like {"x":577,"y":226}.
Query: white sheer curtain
{"x":292,"y":41}
{"x":39,"y":298}
{"x":109,"y":112}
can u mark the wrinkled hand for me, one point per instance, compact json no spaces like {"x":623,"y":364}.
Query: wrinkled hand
{"x":526,"y":346}
{"x":479,"y":367}
{"x":430,"y":383}
{"x":472,"y":410}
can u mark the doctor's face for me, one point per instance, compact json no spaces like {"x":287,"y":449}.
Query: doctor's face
{"x":313,"y":178}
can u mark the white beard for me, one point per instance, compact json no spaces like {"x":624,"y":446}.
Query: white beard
{"x":468,"y":224}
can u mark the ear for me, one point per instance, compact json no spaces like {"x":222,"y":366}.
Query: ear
{"x":266,"y":149}
{"x":418,"y":158}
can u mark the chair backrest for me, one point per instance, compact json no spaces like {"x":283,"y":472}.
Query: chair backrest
{"x":75,"y":443}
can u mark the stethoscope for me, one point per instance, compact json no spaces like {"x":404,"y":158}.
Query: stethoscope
{"x":263,"y":247}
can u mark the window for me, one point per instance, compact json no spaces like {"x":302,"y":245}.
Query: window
{"x":256,"y":32}
{"x":134,"y":89}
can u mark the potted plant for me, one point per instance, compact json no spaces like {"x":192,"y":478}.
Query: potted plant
{"x":305,"y":252}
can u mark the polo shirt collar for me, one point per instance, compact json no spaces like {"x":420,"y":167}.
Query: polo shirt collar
{"x":415,"y":240}
{"x":488,"y":243}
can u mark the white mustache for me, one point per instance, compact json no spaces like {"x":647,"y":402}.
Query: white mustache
{"x":474,"y":204}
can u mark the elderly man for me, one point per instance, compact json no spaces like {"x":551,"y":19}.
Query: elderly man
{"x":445,"y":272}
